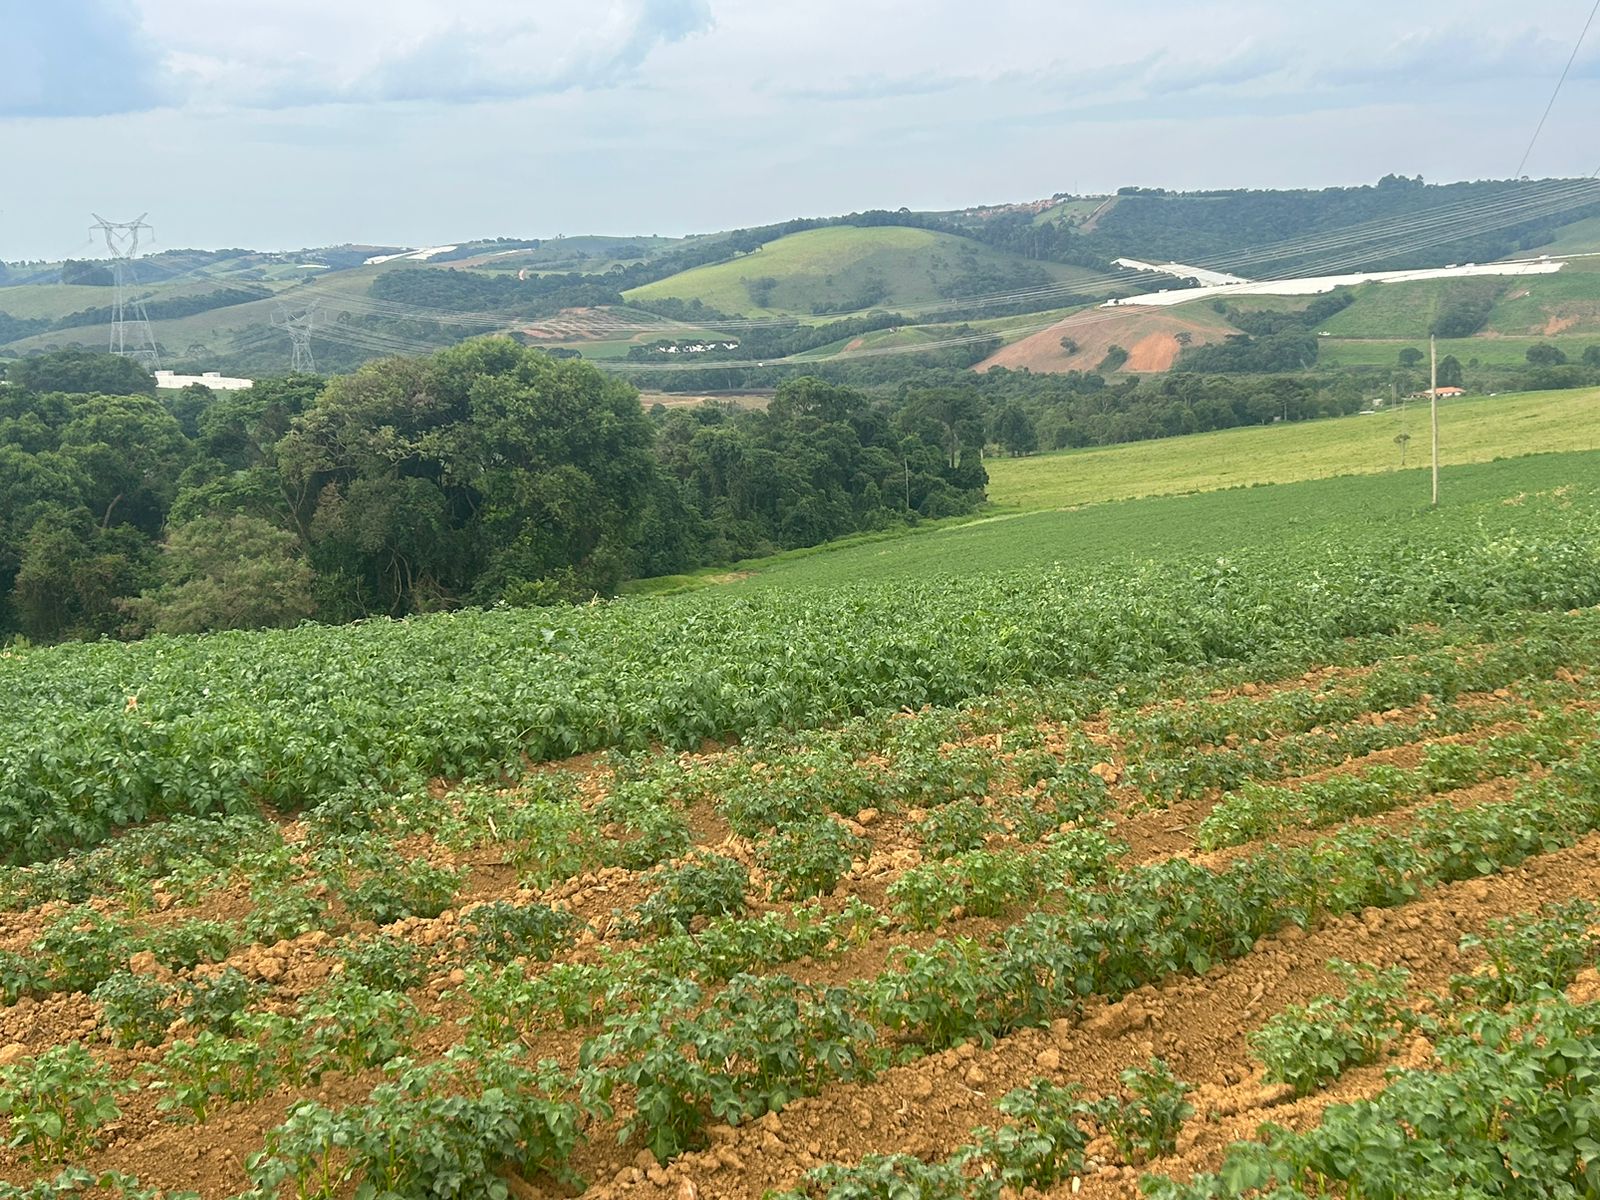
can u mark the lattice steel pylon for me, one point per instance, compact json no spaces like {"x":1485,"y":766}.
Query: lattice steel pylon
{"x":297,"y":324}
{"x":131,"y":336}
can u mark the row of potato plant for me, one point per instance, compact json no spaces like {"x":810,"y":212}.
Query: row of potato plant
{"x":103,"y":736}
{"x":1261,"y":810}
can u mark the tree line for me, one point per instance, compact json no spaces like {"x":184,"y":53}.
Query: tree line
{"x":487,"y":473}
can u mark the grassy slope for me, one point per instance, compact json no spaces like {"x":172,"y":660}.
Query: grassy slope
{"x":217,"y":328}
{"x":1390,"y":310}
{"x":51,"y":299}
{"x":1575,"y":238}
{"x":830,"y":266}
{"x":1562,"y":309}
{"x":1474,"y":430}
{"x":1008,"y":329}
{"x":1491,"y":351}
{"x":1210,"y":524}
{"x":1070,"y":211}
{"x":57,"y":300}
{"x":1044,"y":492}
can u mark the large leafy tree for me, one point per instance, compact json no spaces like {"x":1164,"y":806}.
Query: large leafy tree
{"x":421,"y":483}
{"x":820,"y":462}
{"x":85,"y":482}
{"x":72,"y":575}
{"x":82,"y":372}
{"x":131,"y":451}
{"x":236,"y":572}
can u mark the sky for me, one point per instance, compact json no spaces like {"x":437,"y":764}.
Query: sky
{"x":417,"y":122}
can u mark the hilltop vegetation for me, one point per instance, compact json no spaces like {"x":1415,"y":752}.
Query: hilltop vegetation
{"x":846,"y":269}
{"x":1197,"y":227}
{"x":215,"y":309}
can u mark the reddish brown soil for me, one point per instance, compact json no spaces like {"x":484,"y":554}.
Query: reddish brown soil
{"x":929,"y":1107}
{"x":1150,"y":335}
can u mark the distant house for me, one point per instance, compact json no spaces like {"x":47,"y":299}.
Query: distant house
{"x":1445,"y":393}
{"x":214,"y":380}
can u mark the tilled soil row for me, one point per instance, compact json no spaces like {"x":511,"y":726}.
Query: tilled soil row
{"x":1198,"y":1024}
{"x":960,"y":1086}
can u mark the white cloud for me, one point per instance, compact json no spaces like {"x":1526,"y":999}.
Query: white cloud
{"x":343,"y":119}
{"x":253,"y":54}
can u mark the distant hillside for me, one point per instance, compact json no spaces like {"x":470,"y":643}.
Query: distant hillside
{"x":1153,"y":338}
{"x":1407,"y":224}
{"x":934,"y":283}
{"x":845,"y":268}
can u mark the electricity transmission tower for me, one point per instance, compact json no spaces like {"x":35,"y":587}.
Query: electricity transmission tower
{"x":130,"y":324}
{"x":297,"y":324}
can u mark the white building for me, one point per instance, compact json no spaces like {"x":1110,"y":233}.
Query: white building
{"x":214,"y":380}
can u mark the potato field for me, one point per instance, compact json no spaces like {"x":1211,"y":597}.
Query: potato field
{"x":1269,"y":875}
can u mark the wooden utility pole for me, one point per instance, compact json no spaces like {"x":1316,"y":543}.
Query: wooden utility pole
{"x":1433,"y":406}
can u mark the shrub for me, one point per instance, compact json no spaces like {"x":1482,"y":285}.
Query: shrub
{"x":1045,"y":1143}
{"x":55,"y":1102}
{"x":706,"y":885}
{"x":1144,"y":1121}
{"x":501,"y":931}
{"x":808,"y":858}
{"x":135,"y":1008}
{"x":1308,"y":1046}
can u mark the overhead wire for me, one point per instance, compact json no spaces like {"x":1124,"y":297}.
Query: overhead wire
{"x":1539,"y":128}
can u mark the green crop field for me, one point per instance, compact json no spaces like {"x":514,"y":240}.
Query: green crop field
{"x":1209,"y":817}
{"x":1013,"y":876}
{"x":1497,"y":351}
{"x":1471,"y":430}
{"x":1119,"y":532}
{"x":1209,"y":492}
{"x":832,"y":268}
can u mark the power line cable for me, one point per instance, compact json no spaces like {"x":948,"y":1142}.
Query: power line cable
{"x":1570,"y":60}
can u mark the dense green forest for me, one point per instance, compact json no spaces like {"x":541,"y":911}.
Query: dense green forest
{"x":487,"y":473}
{"x":1200,"y":226}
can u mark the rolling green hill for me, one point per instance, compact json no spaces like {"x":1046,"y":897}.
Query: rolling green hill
{"x":563,"y":292}
{"x":1562,"y":309}
{"x":846,"y":268}
{"x":1576,"y":238}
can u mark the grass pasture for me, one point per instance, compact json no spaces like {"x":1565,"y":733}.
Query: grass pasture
{"x":1471,"y":430}
{"x":1497,"y":351}
{"x":834,"y":268}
